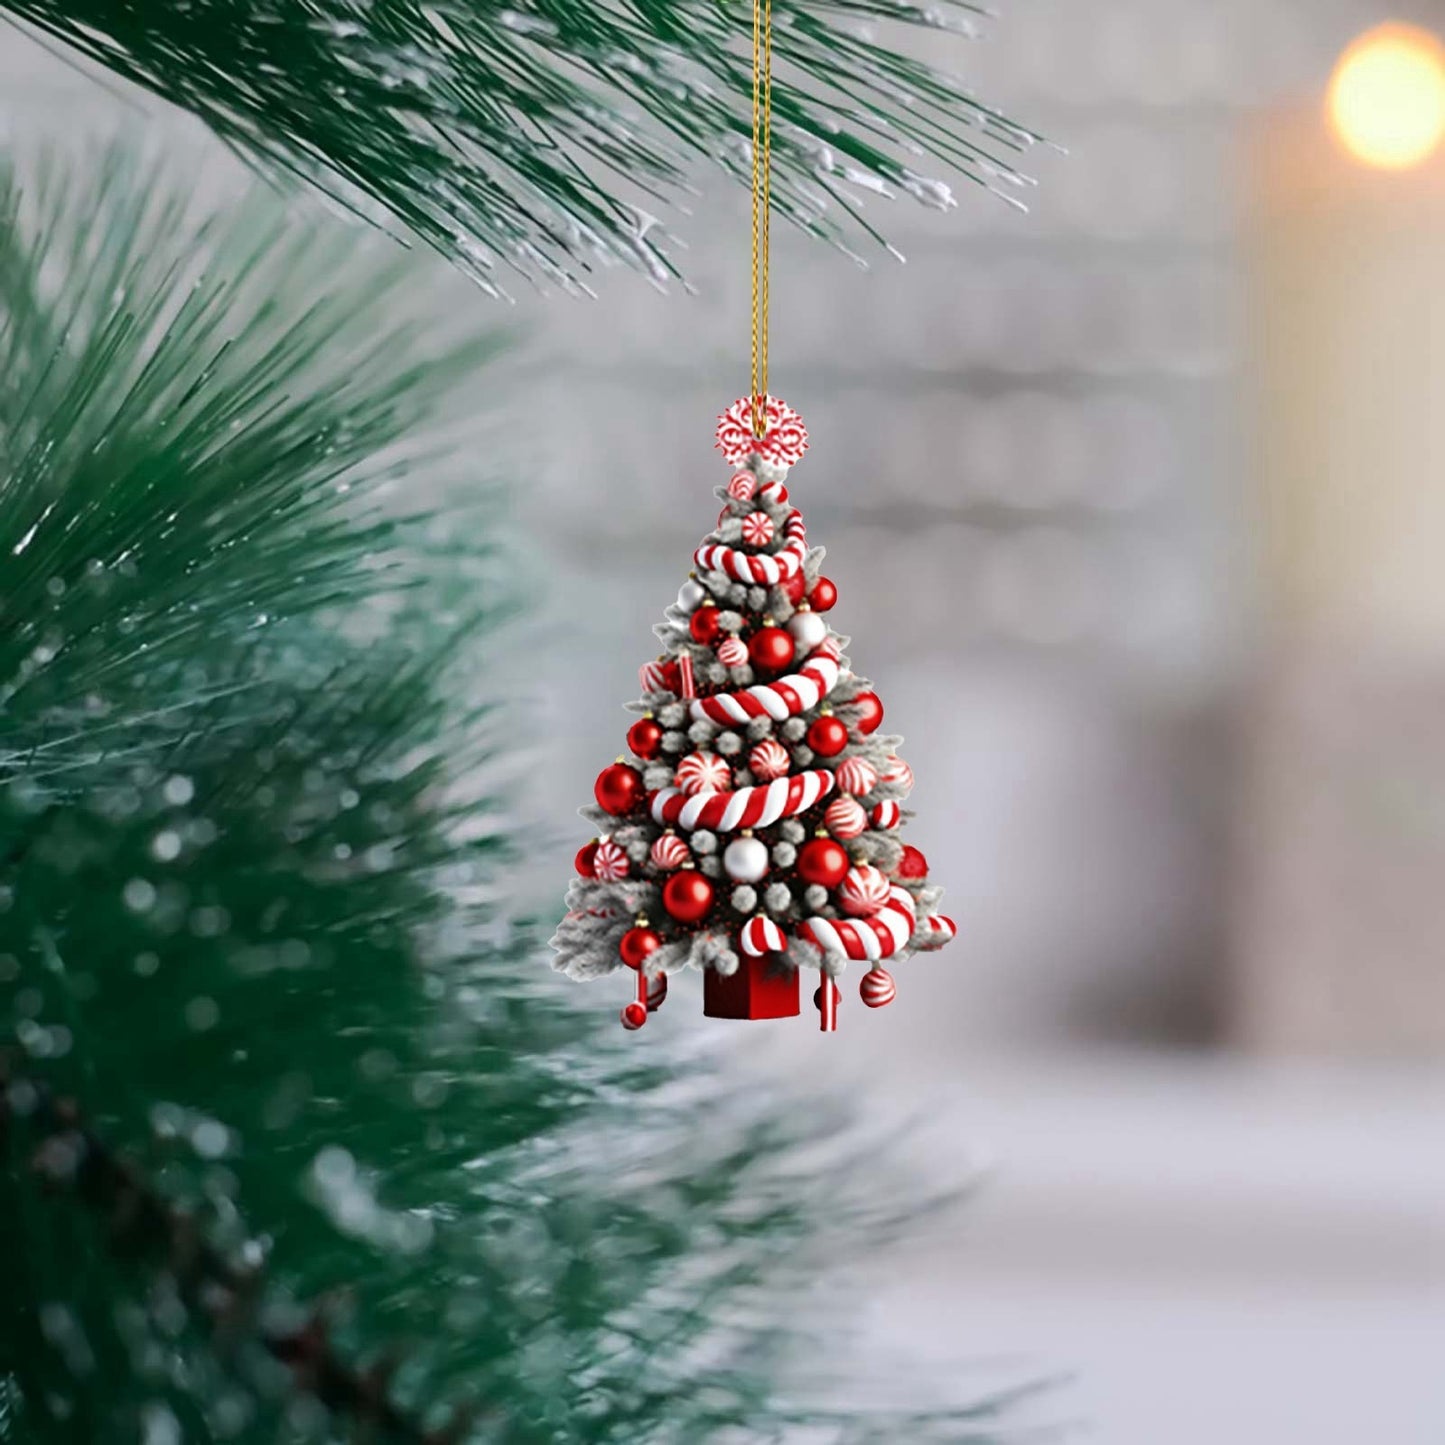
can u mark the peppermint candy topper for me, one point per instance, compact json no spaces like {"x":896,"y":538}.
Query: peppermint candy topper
{"x":784,"y":438}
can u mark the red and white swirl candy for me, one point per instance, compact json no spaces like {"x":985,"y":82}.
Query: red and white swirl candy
{"x":880,"y":936}
{"x":876,"y":988}
{"x":845,"y":818}
{"x":766,"y":568}
{"x":742,"y":486}
{"x":769,"y":760}
{"x":898,"y":774}
{"x":857,"y":776}
{"x":669,"y":852}
{"x":758,"y":529}
{"x":775,"y":494}
{"x":886,"y":814}
{"x":785,"y":698}
{"x":863,"y":891}
{"x":732,"y":652}
{"x":743,"y":808}
{"x":761,"y":935}
{"x":610,"y":863}
{"x":703,"y":773}
{"x":934,"y":930}
{"x":784,"y":438}
{"x":658,"y":676}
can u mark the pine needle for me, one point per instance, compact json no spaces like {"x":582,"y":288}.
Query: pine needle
{"x":535,"y":136}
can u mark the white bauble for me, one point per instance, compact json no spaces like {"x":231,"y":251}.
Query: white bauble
{"x":808,"y":628}
{"x":690,"y":595}
{"x":746,"y":859}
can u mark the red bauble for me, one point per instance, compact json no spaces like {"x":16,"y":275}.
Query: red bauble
{"x":827,"y":737}
{"x":634,"y":946}
{"x":912,"y":864}
{"x":771,"y":649}
{"x":644,"y":737}
{"x":704,"y":625}
{"x":619,"y":789}
{"x":584,"y":858}
{"x":634,"y":1016}
{"x":872,"y":715}
{"x":823,"y":595}
{"x":822,"y":861}
{"x":688,"y":896}
{"x":795,"y":586}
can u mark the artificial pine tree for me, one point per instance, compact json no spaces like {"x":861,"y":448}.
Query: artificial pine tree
{"x":757,"y":758}
{"x":298,"y":1143}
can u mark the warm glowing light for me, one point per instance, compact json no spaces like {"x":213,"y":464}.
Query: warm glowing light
{"x":1387,"y":96}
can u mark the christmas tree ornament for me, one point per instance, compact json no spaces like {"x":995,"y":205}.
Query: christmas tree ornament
{"x":827,"y":736}
{"x":768,"y":760}
{"x":730,"y":834}
{"x":870,"y":715}
{"x":688,"y":896}
{"x":856,"y":775}
{"x":770,"y":649}
{"x":863,"y":891}
{"x":823,"y":862}
{"x":845,"y":818}
{"x":704,"y":625}
{"x":619,"y":789}
{"x":583,"y":861}
{"x":886,"y":814}
{"x":609,"y":862}
{"x":824,"y":596}
{"x":659,"y":676}
{"x":807,"y":629}
{"x":669,"y":852}
{"x":912,"y":864}
{"x":644,"y":737}
{"x":638,"y":944}
{"x":876,"y":988}
{"x":745,"y":859}
{"x":703,"y":773}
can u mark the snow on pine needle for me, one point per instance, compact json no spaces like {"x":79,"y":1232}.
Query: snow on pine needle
{"x":541,"y":137}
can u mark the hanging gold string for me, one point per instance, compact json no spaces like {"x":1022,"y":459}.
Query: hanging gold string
{"x":762,"y":201}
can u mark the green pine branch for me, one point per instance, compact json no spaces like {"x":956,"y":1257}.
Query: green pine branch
{"x":536,"y":136}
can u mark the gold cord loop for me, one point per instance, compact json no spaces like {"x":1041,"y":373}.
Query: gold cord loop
{"x":762,"y":202}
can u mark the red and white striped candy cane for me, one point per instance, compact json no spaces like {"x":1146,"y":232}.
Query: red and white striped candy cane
{"x":935,"y":930}
{"x":865,"y":938}
{"x":766,"y":569}
{"x":760,"y":936}
{"x":743,"y":807}
{"x":784,"y":698}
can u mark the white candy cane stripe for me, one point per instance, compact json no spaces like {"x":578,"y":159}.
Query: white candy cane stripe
{"x":865,"y":938}
{"x":743,"y":808}
{"x":761,"y":935}
{"x":767,"y":569}
{"x":785,"y":698}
